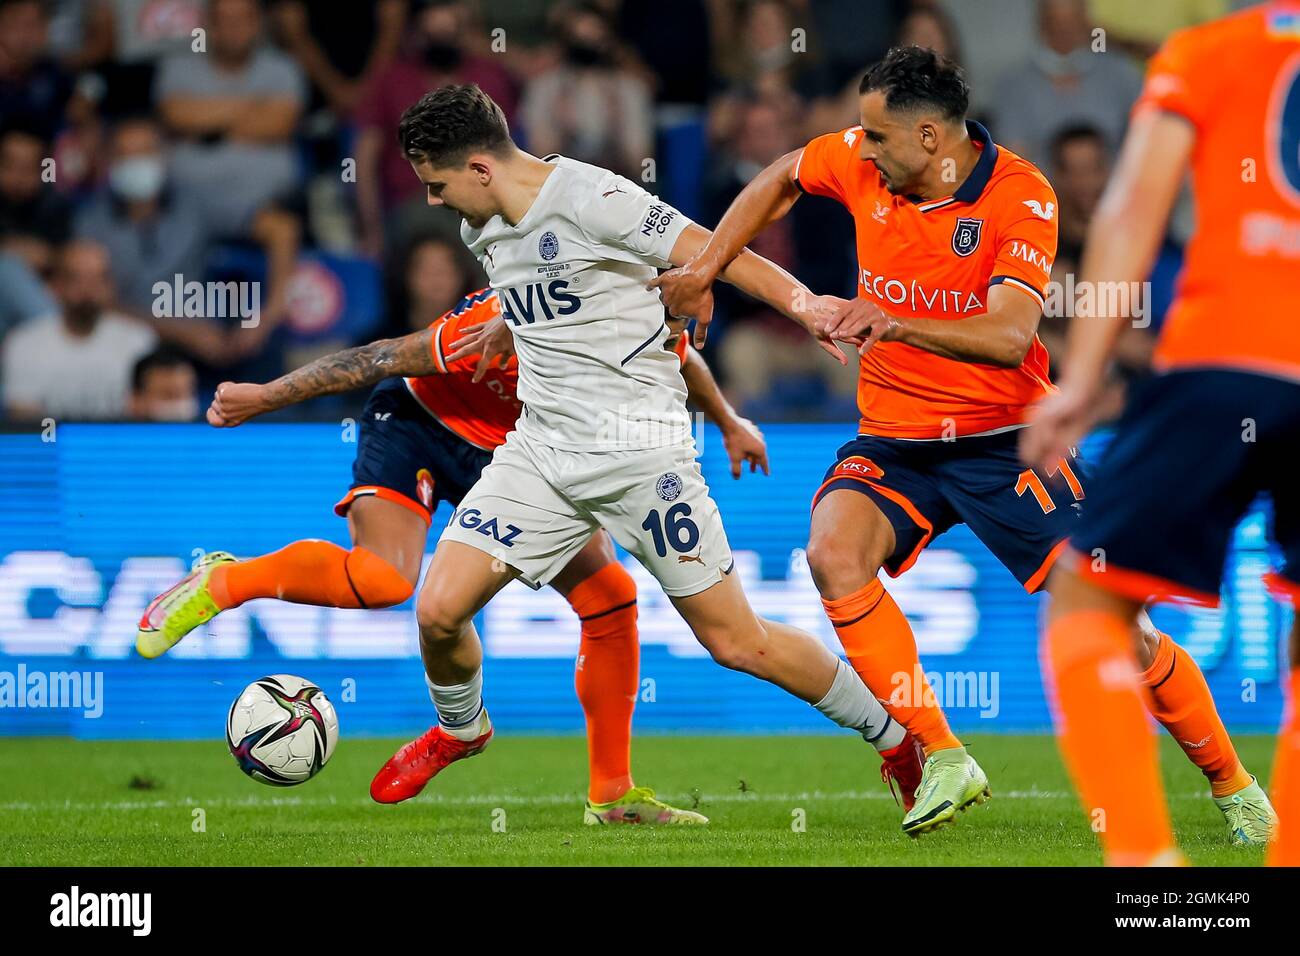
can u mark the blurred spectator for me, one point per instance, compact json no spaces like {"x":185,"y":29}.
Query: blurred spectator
{"x":1140,"y":28}
{"x":340,"y":46}
{"x":23,"y":295}
{"x":76,"y":364}
{"x":435,"y":274}
{"x":164,"y":388}
{"x":673,"y":39}
{"x":766,"y":58}
{"x":1064,"y":83}
{"x":34,"y":217}
{"x":155,"y":229}
{"x":924,"y":26}
{"x":233,"y":110}
{"x":587,"y":108}
{"x":438,"y":54}
{"x":124,"y":40}
{"x":997,"y":36}
{"x":1079,"y":170}
{"x":853,"y":34}
{"x":756,"y":344}
{"x":32,"y":85}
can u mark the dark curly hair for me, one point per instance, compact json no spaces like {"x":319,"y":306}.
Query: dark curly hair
{"x":449,"y":123}
{"x":914,"y":78}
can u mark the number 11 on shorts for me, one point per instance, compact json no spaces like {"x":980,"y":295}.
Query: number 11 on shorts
{"x":1029,"y":481}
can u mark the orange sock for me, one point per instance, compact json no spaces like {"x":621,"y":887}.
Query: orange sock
{"x":1104,"y":737}
{"x":606,"y":677}
{"x":1285,"y":850}
{"x":1180,"y":700}
{"x":311,"y":572}
{"x":879,"y":644}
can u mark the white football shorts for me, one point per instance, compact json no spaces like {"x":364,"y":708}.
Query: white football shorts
{"x":534,"y":507}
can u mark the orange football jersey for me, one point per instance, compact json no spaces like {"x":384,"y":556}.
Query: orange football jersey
{"x":1237,"y":81}
{"x":938,"y":260}
{"x":483,"y":413}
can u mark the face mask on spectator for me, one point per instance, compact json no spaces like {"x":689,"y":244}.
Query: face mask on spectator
{"x":137,"y":178}
{"x":174,"y":410}
{"x":1063,"y":64}
{"x":585,"y":54}
{"x":442,"y":55}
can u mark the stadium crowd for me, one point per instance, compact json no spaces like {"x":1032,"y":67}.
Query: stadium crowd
{"x":200,"y":190}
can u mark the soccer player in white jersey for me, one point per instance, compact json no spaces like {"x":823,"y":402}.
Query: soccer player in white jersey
{"x":604,"y":439}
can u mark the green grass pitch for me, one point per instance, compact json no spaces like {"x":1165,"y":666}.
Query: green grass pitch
{"x":71,"y":803}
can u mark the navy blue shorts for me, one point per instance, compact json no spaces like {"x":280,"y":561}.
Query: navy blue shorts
{"x":925,"y":487}
{"x":405,"y":455}
{"x":1192,"y":452}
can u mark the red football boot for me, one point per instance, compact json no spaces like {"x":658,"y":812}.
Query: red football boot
{"x":902,"y":764}
{"x":418,"y":762}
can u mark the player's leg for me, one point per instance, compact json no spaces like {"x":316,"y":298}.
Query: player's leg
{"x":657,"y":505}
{"x":1285,"y":586}
{"x":1285,"y":788}
{"x":512,"y":523}
{"x":849,"y":541}
{"x":877,"y":508}
{"x":1137,"y":541}
{"x":388,"y":509}
{"x":1180,"y":699}
{"x":380,"y":570}
{"x":1101,"y":720}
{"x":460,"y":581}
{"x":606,"y":678}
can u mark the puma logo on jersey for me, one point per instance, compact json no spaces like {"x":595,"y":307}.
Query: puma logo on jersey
{"x":610,"y":192}
{"x":1196,"y":746}
{"x":684,"y":558}
{"x":1037,"y":209}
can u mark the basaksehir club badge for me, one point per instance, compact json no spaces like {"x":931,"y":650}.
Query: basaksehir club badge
{"x":966,"y":236}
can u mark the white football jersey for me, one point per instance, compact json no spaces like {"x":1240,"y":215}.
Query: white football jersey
{"x":593,"y":371}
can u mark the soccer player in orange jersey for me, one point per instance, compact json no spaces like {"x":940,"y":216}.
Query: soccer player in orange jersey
{"x":424,"y":439}
{"x":1216,"y":426}
{"x":955,"y":240}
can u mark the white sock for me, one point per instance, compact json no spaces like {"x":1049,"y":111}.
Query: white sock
{"x":851,"y":705}
{"x":460,"y":707}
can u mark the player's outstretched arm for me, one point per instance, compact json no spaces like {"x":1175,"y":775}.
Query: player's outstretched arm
{"x":762,"y":279}
{"x":687,"y":290}
{"x":1122,"y":243}
{"x":365,"y":365}
{"x":741,"y":437}
{"x":1000,"y":336}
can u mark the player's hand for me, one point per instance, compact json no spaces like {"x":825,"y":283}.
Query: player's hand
{"x":235,"y":403}
{"x":1057,"y":423}
{"x":744,"y":443}
{"x":687,"y":293}
{"x":815,"y":310}
{"x":492,"y":339}
{"x":859,"y":322}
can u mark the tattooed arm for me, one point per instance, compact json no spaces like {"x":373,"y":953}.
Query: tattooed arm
{"x":237,"y":402}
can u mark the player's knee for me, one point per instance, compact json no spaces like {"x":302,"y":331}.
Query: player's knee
{"x":837,"y":565}
{"x":735,"y":649}
{"x":609,"y":589}
{"x":439,"y":622}
{"x":376,"y":582}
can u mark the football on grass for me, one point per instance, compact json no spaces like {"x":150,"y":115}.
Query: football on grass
{"x":282,"y":730}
